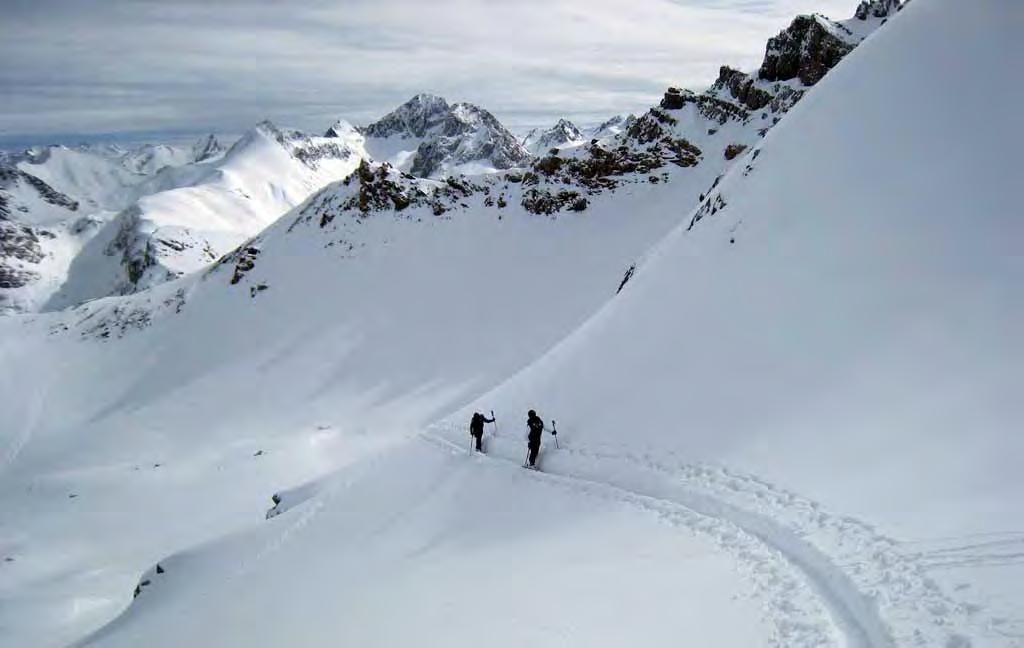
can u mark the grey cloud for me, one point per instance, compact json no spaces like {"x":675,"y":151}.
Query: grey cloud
{"x":90,"y":67}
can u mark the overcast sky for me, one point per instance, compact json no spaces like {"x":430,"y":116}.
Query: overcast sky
{"x":81,"y":69}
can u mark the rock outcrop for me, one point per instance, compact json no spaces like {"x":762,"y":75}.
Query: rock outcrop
{"x":807,"y":49}
{"x":451,"y":134}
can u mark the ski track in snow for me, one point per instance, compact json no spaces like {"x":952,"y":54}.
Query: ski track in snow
{"x":799,"y":555}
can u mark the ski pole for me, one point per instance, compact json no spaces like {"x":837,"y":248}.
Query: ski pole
{"x":494,"y":420}
{"x":554,"y":433}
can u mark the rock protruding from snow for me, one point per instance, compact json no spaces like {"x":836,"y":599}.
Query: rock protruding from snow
{"x":807,"y":49}
{"x":206,"y":148}
{"x":563,"y":133}
{"x":199,"y":212}
{"x":449,"y":135}
{"x":342,"y":129}
{"x":877,"y":8}
{"x":418,"y":117}
{"x":31,"y":235}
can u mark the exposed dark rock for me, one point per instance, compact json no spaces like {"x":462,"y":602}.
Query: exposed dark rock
{"x":807,"y":49}
{"x":742,"y":87}
{"x":11,"y":176}
{"x":206,"y":148}
{"x":453,"y":134}
{"x":311,"y":154}
{"x":19,"y":244}
{"x":733,"y":150}
{"x":877,"y":8}
{"x":244,"y":259}
{"x":673,"y":99}
{"x":538,"y":201}
{"x":626,"y":278}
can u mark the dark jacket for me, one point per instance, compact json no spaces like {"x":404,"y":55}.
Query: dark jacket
{"x":476,"y":425}
{"x":536,"y":428}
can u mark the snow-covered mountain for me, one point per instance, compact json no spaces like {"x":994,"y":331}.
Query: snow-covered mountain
{"x":159,"y":212}
{"x":206,"y":148}
{"x":97,"y":182}
{"x":563,"y":133}
{"x":427,"y":136}
{"x":611,"y":126}
{"x":784,"y":385}
{"x":189,"y":216}
{"x":149,"y":158}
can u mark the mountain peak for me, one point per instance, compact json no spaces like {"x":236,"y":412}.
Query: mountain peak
{"x":206,"y":148}
{"x":450,"y":135}
{"x":564,"y":132}
{"x":340,"y":128}
{"x":413,"y":118}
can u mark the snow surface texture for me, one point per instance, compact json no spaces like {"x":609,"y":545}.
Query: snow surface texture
{"x":195,"y":206}
{"x":837,"y":317}
{"x":156,"y":212}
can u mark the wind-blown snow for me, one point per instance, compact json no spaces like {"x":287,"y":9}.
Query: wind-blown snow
{"x":794,"y":424}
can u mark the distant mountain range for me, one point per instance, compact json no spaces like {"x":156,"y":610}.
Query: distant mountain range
{"x":93,"y":221}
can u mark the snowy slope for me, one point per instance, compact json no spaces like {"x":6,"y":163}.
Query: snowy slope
{"x":46,"y":228}
{"x":367,"y":329}
{"x":189,"y":216}
{"x":40,"y":231}
{"x":844,"y":323}
{"x":793,"y":331}
{"x":96,"y":182}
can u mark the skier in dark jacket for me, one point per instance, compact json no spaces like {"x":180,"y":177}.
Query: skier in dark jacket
{"x":476,"y":428}
{"x":536,"y":427}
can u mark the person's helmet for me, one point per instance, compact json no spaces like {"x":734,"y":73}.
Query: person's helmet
{"x":532,"y":413}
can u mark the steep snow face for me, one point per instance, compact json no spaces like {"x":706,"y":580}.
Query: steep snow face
{"x":40,"y":230}
{"x":706,"y":132}
{"x":793,"y":330}
{"x":150,"y":158}
{"x":564,"y":133}
{"x":611,"y":126}
{"x":341,"y":330}
{"x":94,"y":181}
{"x":841,"y":314}
{"x":427,"y":136}
{"x":190,"y":216}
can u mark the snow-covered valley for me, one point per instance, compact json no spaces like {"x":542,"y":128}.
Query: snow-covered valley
{"x":784,"y":361}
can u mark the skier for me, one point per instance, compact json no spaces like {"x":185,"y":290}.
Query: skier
{"x":536,"y":427}
{"x":476,"y":428}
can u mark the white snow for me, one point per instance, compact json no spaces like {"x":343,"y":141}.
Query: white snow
{"x":796,"y":424}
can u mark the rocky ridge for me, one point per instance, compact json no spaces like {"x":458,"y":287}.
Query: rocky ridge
{"x":449,"y":135}
{"x":563,"y":133}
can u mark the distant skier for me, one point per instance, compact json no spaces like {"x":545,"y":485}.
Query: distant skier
{"x":476,"y":428}
{"x":536,"y":426}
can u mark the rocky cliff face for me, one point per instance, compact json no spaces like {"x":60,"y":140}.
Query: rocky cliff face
{"x":877,"y":9}
{"x":12,"y":179}
{"x":26,"y":203}
{"x":807,"y":49}
{"x":206,"y":148}
{"x":450,"y":134}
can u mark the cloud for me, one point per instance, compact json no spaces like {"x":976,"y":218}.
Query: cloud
{"x":90,"y":66}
